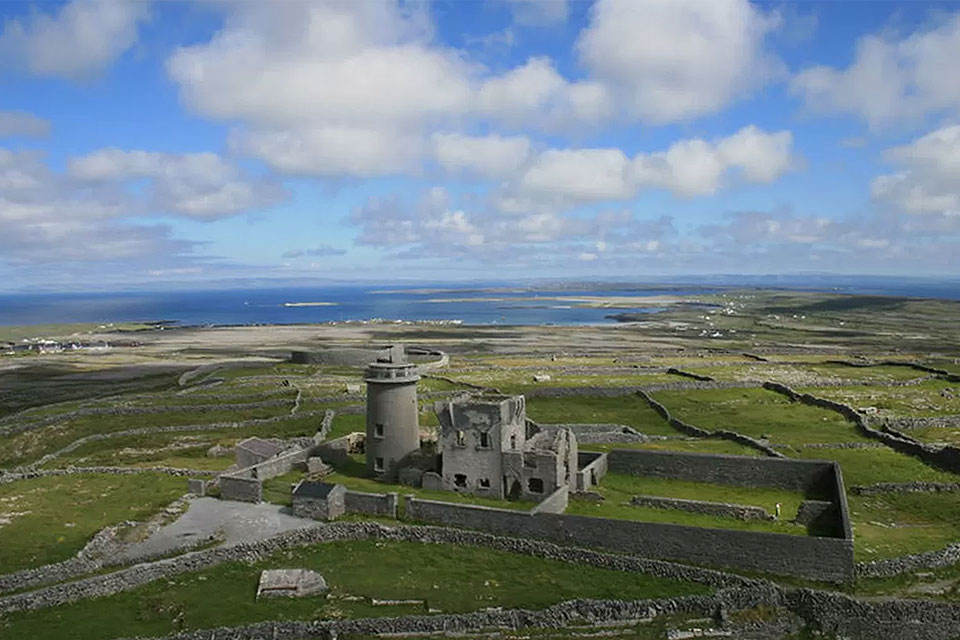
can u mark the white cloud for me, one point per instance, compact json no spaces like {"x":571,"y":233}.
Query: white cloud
{"x":198,"y":185}
{"x":693,"y":167}
{"x":580,"y":174}
{"x":21,"y":123}
{"x":81,"y":39}
{"x":334,"y":150}
{"x":673,"y":60}
{"x":490,"y":156}
{"x":327,"y":88}
{"x":890,"y":79}
{"x":47,"y":218}
{"x":929,"y":179}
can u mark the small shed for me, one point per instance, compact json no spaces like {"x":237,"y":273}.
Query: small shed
{"x":256,"y":450}
{"x":318,"y":500}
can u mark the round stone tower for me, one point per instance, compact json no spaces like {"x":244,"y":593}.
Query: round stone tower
{"x":393,"y":430}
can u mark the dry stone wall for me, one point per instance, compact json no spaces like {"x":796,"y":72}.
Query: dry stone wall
{"x":944,"y":457}
{"x":371,"y":504}
{"x":213,"y":426}
{"x":826,"y":559}
{"x":948,"y":556}
{"x":723,"y":509}
{"x":132,"y":577}
{"x":809,"y":476}
{"x":697,"y":432}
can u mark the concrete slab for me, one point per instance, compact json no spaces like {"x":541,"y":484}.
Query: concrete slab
{"x":206,"y":518}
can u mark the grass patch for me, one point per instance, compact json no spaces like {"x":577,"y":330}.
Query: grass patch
{"x":60,"y":514}
{"x":889,"y":525}
{"x":617,"y":490}
{"x":869,"y":466}
{"x":448,"y":578}
{"x":925,"y":399}
{"x":759,"y":413}
{"x":630,"y":410}
{"x":691,"y":445}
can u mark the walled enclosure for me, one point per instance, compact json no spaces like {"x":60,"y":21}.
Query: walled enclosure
{"x":246,"y":485}
{"x":813,"y":557}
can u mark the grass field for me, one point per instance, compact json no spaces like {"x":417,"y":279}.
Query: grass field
{"x":759,"y":413}
{"x":889,"y":525}
{"x":617,"y":490}
{"x":629,"y":410}
{"x":447,"y":578}
{"x":52,"y":518}
{"x":930,"y":398}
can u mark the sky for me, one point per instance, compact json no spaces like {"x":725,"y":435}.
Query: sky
{"x":176,"y":144}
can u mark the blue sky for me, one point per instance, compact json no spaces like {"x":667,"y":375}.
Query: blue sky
{"x":151,"y":144}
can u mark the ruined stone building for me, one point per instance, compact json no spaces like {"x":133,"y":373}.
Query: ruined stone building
{"x":393,"y":428}
{"x":489,"y":449}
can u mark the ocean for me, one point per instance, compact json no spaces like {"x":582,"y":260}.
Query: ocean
{"x":478,"y":304}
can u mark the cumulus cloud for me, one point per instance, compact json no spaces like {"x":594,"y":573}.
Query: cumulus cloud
{"x":361,"y":89}
{"x":82,"y":38}
{"x":581,"y":174}
{"x":890,"y":78}
{"x":334,"y":150}
{"x":490,"y":156}
{"x":21,"y":123}
{"x":673,"y":60}
{"x":202,"y":186}
{"x":435,"y":225}
{"x":48,"y":217}
{"x":693,"y":167}
{"x":928,"y":182}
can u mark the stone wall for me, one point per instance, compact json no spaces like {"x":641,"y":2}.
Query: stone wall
{"x":688,"y":374}
{"x":723,"y":509}
{"x":241,"y":488}
{"x":371,"y":504}
{"x":830,"y":614}
{"x":184,"y":428}
{"x":14,"y":476}
{"x":826,"y":559}
{"x":948,"y":556}
{"x":592,"y":467}
{"x":898,"y":487}
{"x":339,"y":449}
{"x":130,"y":578}
{"x":343,"y":357}
{"x":812,"y":477}
{"x":944,"y":457}
{"x":697,"y":432}
{"x":329,"y":508}
{"x":556,"y":502}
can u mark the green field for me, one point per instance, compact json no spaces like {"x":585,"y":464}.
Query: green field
{"x":52,"y":518}
{"x":759,"y":413}
{"x":629,"y":410}
{"x":617,"y":490}
{"x":447,"y":578}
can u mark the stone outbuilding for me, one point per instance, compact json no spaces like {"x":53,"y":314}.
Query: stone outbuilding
{"x":256,"y":450}
{"x":319,"y":500}
{"x":489,"y":448}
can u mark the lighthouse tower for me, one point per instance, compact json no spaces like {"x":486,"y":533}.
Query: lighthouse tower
{"x":393,"y":430}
